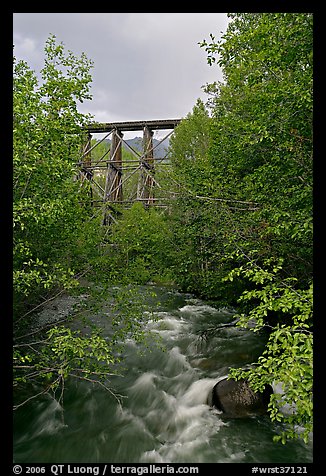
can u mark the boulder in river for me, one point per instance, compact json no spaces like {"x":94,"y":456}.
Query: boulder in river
{"x":236,"y":399}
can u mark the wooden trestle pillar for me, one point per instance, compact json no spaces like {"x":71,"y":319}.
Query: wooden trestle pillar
{"x":113,"y":181}
{"x":146,"y":180}
{"x":87,"y":155}
{"x":87,"y":162}
{"x":113,"y":189}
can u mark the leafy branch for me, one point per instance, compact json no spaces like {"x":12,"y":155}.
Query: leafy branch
{"x":287,"y":359}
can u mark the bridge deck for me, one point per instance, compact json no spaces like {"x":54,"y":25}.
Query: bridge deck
{"x":133,"y":125}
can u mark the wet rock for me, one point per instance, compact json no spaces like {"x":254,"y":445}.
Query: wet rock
{"x":236,"y":399}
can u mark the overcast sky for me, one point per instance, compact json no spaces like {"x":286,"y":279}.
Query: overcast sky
{"x":146,"y":65}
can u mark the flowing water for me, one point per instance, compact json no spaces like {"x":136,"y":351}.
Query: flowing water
{"x":163,"y":417}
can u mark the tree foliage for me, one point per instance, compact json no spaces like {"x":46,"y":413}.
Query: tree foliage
{"x":49,"y":223}
{"x":47,"y":358}
{"x":262,"y":128}
{"x":288,"y":357}
{"x":139,"y":248}
{"x":245,"y":197}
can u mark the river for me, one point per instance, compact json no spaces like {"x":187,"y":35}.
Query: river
{"x":163,"y":417}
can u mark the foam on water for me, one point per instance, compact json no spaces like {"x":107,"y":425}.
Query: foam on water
{"x":186,"y":427}
{"x":198,"y":391}
{"x":195,"y":309}
{"x":168,"y":326}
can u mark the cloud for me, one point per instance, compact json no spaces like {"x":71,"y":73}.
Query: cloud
{"x":26,"y":47}
{"x":146,"y":65}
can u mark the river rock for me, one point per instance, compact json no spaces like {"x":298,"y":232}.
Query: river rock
{"x":236,"y":399}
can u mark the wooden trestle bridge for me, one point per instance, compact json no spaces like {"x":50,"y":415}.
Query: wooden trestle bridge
{"x":109,"y":174}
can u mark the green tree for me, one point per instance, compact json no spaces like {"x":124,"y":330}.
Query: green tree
{"x":288,"y":357}
{"x":193,"y":219}
{"x":44,"y":360}
{"x":55,"y":237}
{"x":49,"y":223}
{"x":262,"y":129}
{"x":205,"y":217}
{"x":141,"y":248}
{"x":246,"y":203}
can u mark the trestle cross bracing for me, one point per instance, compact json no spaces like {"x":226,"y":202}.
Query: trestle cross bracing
{"x":115,"y":172}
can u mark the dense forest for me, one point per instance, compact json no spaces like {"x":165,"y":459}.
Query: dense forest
{"x":239,"y":230}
